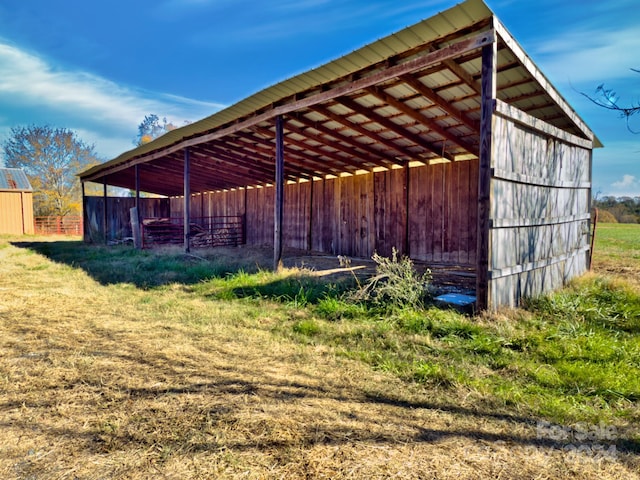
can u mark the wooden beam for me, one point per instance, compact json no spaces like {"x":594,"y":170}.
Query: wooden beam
{"x":533,"y":70}
{"x":363,"y":131}
{"x":522,"y":118}
{"x":419,"y":117}
{"x":394,"y":127}
{"x":137,"y":175}
{"x":440,"y":102}
{"x":279,"y":199}
{"x":463,"y":75}
{"x":294,"y":157}
{"x":264,"y":154}
{"x":380,"y":159}
{"x":353,"y":157}
{"x":421,"y":62}
{"x":483,"y":255}
{"x":104,"y":216}
{"x":187,"y":201}
{"x":348,"y":167}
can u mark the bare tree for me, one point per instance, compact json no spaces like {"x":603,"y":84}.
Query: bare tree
{"x":609,"y":99}
{"x":51,"y":158}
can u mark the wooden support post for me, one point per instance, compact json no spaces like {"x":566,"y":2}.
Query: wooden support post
{"x":187,"y":201}
{"x":137,"y":173}
{"x":407,"y":204}
{"x":84,"y":213}
{"x":279,"y":200}
{"x":489,"y":61}
{"x":134,"y":213}
{"x":104,"y":216}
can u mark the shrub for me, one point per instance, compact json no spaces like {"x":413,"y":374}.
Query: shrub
{"x":395,"y":284}
{"x":605,"y":216}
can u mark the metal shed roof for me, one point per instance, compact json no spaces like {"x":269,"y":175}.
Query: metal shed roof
{"x":413,"y":96}
{"x":14,"y":179}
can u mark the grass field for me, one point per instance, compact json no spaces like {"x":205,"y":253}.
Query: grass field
{"x":123,"y":364}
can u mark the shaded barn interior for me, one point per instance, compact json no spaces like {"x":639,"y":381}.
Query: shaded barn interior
{"x":444,"y":141}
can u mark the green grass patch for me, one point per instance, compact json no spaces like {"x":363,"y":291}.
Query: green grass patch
{"x":570,"y":356}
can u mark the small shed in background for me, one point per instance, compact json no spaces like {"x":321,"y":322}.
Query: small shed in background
{"x":16,"y":202}
{"x":444,"y":141}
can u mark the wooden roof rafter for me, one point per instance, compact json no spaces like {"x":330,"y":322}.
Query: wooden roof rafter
{"x":380,"y":158}
{"x":295,"y":156}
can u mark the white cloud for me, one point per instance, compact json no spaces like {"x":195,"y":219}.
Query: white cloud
{"x":591,"y":55}
{"x":108,"y":113}
{"x":628,"y":181}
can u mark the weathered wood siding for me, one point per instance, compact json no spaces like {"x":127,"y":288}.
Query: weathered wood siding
{"x":427,"y":212}
{"x":540,"y":202}
{"x":443,"y":201}
{"x":118,"y":218}
{"x":16,"y":212}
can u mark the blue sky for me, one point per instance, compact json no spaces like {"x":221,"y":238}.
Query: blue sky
{"x":99,"y":67}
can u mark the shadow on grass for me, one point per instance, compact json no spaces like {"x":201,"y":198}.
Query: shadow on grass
{"x":145,"y":269}
{"x":225,"y":399}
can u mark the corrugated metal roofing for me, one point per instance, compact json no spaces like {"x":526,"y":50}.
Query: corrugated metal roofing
{"x":411,"y":37}
{"x":14,"y":179}
{"x":387,"y":122}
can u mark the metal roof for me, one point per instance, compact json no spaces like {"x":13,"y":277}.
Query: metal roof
{"x":14,"y":179}
{"x":413,"y":96}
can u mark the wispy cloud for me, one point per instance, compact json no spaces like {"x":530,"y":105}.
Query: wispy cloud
{"x":627,"y":181}
{"x":83,"y":101}
{"x":591,"y":55}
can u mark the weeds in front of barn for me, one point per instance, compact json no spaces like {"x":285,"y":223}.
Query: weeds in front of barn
{"x":115,"y":363}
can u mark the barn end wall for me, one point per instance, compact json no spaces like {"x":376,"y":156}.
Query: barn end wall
{"x":427,"y":212}
{"x":16,"y":212}
{"x":540,"y":208}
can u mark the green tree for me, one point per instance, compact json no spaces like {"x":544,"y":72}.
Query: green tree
{"x":51,"y":158}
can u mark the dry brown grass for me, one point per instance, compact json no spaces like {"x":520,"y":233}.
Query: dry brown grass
{"x":112,"y":382}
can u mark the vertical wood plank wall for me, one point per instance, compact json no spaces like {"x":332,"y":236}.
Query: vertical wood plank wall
{"x":362,"y":214}
{"x":118,"y":215}
{"x":539,"y":212}
{"x":16,"y":212}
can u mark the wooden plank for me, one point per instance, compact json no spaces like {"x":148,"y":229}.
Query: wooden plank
{"x":540,"y":181}
{"x":474,"y":167}
{"x":370,"y":212}
{"x":417,"y":212}
{"x":464,"y":206}
{"x":546,"y":262}
{"x":533,"y":70}
{"x":437,"y":212}
{"x":379,"y":222}
{"x":513,"y":113}
{"x":532,"y":222}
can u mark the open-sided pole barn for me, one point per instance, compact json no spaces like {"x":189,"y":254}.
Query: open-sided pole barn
{"x":443,"y":140}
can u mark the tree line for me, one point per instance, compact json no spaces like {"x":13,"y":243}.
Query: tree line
{"x":618,"y":209}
